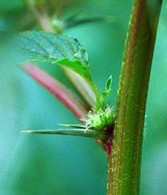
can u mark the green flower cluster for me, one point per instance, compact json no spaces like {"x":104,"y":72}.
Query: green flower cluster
{"x":100,"y":119}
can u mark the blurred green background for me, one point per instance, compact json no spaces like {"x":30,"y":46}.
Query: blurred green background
{"x":45,"y":164}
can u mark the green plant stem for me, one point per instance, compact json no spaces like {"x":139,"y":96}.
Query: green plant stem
{"x":125,"y":161}
{"x":41,"y":16}
{"x":56,"y":88}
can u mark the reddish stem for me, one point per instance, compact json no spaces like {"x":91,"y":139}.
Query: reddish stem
{"x":108,"y":146}
{"x":56,"y":88}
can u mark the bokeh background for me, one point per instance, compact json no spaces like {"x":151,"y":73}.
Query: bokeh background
{"x":46,"y":164}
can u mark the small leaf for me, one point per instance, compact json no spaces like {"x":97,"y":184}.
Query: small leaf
{"x":101,"y":101}
{"x":48,"y":47}
{"x":108,"y":83}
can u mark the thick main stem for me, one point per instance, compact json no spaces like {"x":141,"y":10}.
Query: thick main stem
{"x":125,"y":162}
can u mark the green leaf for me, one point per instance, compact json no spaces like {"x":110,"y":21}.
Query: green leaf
{"x":107,"y":91}
{"x":76,"y":66}
{"x":108,"y":83}
{"x":48,"y":47}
